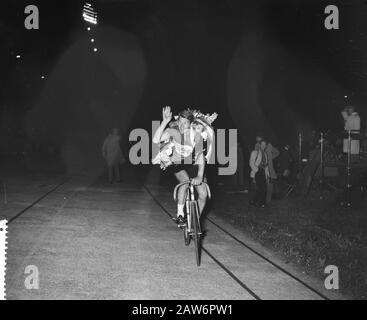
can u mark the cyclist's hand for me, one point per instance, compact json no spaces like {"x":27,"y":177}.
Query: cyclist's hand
{"x":196,"y":181}
{"x":167,"y":114}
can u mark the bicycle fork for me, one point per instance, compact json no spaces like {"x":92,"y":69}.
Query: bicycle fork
{"x":189,"y":200}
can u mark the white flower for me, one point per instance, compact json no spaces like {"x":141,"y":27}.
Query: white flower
{"x":169,"y":150}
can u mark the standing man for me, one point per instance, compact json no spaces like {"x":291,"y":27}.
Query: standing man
{"x":285,"y":163}
{"x":112,"y":153}
{"x":271,"y":153}
{"x":259,"y":174}
{"x":259,"y":138}
{"x":352,"y":123}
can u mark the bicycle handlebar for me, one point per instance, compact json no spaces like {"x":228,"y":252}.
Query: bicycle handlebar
{"x":189,"y":182}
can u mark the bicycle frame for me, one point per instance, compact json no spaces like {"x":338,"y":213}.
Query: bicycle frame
{"x":190,"y":198}
{"x":192,"y":188}
{"x":192,"y":227}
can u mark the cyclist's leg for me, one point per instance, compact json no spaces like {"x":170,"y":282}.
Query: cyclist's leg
{"x":202,"y":196}
{"x":201,"y":189}
{"x":182,"y":176}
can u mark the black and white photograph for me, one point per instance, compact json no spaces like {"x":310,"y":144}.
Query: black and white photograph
{"x":183,"y":156}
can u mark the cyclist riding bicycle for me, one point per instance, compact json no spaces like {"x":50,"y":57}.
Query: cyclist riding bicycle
{"x":182,"y":152}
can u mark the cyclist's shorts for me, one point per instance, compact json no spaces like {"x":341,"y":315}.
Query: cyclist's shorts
{"x":191,"y":169}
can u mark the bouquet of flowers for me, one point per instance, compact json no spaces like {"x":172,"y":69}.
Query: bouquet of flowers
{"x":163,"y":158}
{"x":206,"y":118}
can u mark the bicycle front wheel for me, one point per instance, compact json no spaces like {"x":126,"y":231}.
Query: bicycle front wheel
{"x":187,"y":236}
{"x":187,"y":227}
{"x":195,"y":230}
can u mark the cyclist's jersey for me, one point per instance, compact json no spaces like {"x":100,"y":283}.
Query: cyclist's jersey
{"x":186,"y":147}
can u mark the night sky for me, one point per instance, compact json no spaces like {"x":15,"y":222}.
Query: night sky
{"x":264,"y":66}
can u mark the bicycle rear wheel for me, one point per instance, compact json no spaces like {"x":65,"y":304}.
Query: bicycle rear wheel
{"x":196,"y":230}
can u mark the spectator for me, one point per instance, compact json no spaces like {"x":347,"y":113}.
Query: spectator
{"x":112,"y":153}
{"x":259,"y":138}
{"x":285,"y":162}
{"x":259,"y":173}
{"x":271,"y":153}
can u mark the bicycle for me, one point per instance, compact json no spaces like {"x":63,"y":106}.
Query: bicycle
{"x":192,"y":227}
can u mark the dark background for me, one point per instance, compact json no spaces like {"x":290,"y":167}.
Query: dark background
{"x":264,"y":66}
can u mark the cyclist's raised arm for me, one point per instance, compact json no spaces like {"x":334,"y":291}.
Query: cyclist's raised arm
{"x":161,"y":133}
